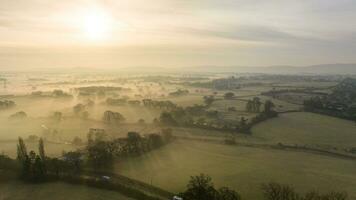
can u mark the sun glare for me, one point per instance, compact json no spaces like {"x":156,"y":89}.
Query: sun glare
{"x":97,"y":25}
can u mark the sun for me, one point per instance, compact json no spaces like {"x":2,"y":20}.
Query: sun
{"x":97,"y":25}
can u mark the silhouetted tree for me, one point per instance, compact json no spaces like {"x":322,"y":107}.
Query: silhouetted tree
{"x":199,"y":188}
{"x":227,"y":194}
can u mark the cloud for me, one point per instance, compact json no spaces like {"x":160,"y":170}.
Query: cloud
{"x":292,"y":30}
{"x":250,"y":33}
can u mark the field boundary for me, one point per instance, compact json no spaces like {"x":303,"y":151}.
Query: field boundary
{"x":279,"y":146}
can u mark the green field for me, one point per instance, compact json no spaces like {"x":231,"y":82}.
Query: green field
{"x":309,"y":129}
{"x":241,"y":168}
{"x":55,"y":191}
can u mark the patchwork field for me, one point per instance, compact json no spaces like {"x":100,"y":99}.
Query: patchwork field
{"x":241,"y":168}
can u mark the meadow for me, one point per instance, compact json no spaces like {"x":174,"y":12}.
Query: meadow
{"x":241,"y":168}
{"x":170,"y":167}
{"x":307,"y":129}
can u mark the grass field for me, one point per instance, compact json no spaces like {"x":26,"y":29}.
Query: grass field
{"x":55,"y":191}
{"x":241,"y":168}
{"x":309,"y":129}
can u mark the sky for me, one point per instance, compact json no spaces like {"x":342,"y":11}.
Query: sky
{"x":175,"y":33}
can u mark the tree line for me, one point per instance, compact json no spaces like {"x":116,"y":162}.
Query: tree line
{"x":201,"y":187}
{"x":198,"y":116}
{"x":100,"y":153}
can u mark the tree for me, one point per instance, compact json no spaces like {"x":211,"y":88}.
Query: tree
{"x":229,"y":95}
{"x":199,"y":188}
{"x":18,"y":115}
{"x":41,"y":149}
{"x":275,"y":191}
{"x":77,"y":141}
{"x":208,"y":100}
{"x":111,"y":117}
{"x":227,"y":194}
{"x":74,"y":159}
{"x":134,"y":142}
{"x":269,"y":105}
{"x":78,"y":108}
{"x":23,"y":158}
{"x":155,"y":140}
{"x":256,"y":104}
{"x":100,"y":154}
{"x":21,"y":150}
{"x":166,"y":118}
{"x":38,"y":169}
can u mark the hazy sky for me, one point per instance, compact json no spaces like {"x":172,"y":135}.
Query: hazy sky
{"x":121,"y":33}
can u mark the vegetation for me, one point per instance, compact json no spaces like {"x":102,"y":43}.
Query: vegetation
{"x":229,"y":95}
{"x":187,"y":117}
{"x":18,"y":115}
{"x":201,"y":187}
{"x":6,"y":104}
{"x":179,"y":92}
{"x":233,"y":166}
{"x":58,"y":93}
{"x":275,"y":191}
{"x":253,"y":105}
{"x":340,"y":103}
{"x":309,"y":130}
{"x":113,"y":117}
{"x":131,"y":121}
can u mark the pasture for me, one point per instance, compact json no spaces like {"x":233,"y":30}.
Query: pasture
{"x":240,"y":168}
{"x":307,"y":129}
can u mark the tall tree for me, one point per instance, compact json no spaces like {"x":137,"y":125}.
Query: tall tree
{"x":42,"y":156}
{"x":41,"y":149}
{"x":256,"y":104}
{"x":23,"y":158}
{"x":21,"y":150}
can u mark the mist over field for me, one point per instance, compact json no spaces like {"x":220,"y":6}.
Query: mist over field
{"x":242,"y":130}
{"x":177,"y":100}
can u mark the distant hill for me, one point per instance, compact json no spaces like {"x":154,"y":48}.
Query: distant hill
{"x":313,"y":69}
{"x":278,"y":69}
